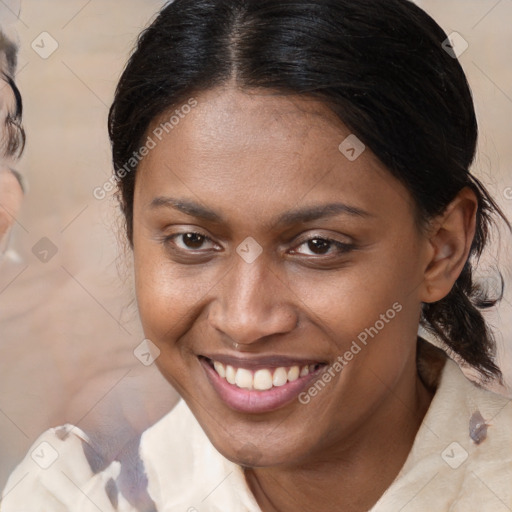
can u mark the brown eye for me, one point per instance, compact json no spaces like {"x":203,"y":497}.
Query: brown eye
{"x":187,"y":242}
{"x":193,"y":240}
{"x":321,"y":246}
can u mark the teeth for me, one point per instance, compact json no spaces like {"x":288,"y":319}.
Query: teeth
{"x":303,"y":372}
{"x":280,"y":377}
{"x":230,"y":374}
{"x":219,"y":368}
{"x":261,"y":380}
{"x":243,"y":378}
{"x":293,"y":373}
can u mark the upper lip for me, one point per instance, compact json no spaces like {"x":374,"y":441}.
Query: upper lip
{"x":257,"y":362}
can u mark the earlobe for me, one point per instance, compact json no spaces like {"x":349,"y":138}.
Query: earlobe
{"x":450,"y":241}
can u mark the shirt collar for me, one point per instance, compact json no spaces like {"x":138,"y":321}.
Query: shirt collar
{"x":186,"y":472}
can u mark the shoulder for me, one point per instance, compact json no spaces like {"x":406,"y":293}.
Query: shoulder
{"x":62,"y":472}
{"x":461,"y":458}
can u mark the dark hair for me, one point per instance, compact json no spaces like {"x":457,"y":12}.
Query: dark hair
{"x":13,"y":138}
{"x":12,"y":133}
{"x":10,"y":50}
{"x":380,"y":67}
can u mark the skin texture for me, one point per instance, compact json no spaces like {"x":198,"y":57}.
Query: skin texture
{"x":11,"y":197}
{"x":251,"y":156}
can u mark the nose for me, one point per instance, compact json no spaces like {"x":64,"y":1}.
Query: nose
{"x":252,"y":303}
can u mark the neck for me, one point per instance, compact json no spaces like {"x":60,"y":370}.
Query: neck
{"x":352,"y":477}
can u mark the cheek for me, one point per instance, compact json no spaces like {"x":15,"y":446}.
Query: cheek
{"x":352,"y":299}
{"x":168,"y":295}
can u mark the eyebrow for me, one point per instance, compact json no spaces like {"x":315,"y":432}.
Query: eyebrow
{"x":301,"y":215}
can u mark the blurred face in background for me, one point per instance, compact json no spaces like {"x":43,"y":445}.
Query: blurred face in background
{"x":11,"y":139}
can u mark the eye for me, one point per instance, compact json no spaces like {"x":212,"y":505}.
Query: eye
{"x":320,"y":246}
{"x":188,"y":242}
{"x":194,"y":242}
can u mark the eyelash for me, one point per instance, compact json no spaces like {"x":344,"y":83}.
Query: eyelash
{"x":342,"y":248}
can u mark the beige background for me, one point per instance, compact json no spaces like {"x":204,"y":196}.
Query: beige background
{"x":68,"y":325}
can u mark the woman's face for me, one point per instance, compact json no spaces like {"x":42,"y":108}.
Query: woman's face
{"x":304,"y":275}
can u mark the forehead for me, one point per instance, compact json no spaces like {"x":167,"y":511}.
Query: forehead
{"x":257,"y":148}
{"x":229,"y":107}
{"x":237,"y":126}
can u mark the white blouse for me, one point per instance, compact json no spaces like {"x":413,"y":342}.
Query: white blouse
{"x":460,"y":461}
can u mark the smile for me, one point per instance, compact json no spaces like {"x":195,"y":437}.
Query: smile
{"x":261,"y":389}
{"x":263,"y":379}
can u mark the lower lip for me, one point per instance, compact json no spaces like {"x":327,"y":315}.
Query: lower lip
{"x":250,"y":401}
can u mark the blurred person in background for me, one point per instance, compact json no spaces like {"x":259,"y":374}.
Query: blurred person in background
{"x":12,"y":135}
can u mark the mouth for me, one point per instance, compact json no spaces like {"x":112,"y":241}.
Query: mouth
{"x":258,"y":388}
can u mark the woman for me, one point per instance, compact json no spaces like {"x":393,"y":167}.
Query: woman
{"x":295,"y":182}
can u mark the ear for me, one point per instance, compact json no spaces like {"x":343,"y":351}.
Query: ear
{"x":450,"y":239}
